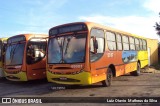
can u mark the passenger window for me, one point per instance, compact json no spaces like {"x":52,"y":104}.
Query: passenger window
{"x":125,"y":43}
{"x":137,"y":44}
{"x":144,"y":44}
{"x":91,"y":45}
{"x":140,"y":43}
{"x":111,"y":40}
{"x":96,"y":44}
{"x":119,"y":42}
{"x":36,"y":50}
{"x":132,"y":44}
{"x":100,"y":45}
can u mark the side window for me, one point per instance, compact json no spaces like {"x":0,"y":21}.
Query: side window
{"x":132,"y":44}
{"x":140,"y":44}
{"x":36,"y":50}
{"x":100,"y":42}
{"x":125,"y":43}
{"x":96,"y":44}
{"x":111,"y":40}
{"x":119,"y":42}
{"x":137,"y":44}
{"x":100,"y":45}
{"x":144,"y":44}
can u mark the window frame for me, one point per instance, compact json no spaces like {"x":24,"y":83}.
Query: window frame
{"x":115,"y":41}
{"x":137,"y":44}
{"x":103,"y":44}
{"x":117,"y":34}
{"x":143,"y":40}
{"x":132,"y":43}
{"x":125,"y":42}
{"x":140,"y":44}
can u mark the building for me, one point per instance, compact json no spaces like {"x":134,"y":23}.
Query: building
{"x":152,"y":51}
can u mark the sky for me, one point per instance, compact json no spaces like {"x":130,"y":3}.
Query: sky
{"x":38,"y":16}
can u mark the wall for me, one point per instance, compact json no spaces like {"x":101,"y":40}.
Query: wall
{"x":153,"y":45}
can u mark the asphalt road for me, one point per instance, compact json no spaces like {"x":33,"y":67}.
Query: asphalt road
{"x":145,"y":85}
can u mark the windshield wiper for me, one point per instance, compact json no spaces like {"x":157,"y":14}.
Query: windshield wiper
{"x":12,"y":52}
{"x":61,"y":49}
{"x":68,"y":40}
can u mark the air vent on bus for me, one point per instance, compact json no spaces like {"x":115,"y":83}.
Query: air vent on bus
{"x":11,"y":68}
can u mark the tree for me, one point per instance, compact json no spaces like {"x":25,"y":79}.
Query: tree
{"x":157,"y":27}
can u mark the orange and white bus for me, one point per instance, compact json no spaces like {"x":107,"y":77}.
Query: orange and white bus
{"x":25,"y":57}
{"x":85,"y":53}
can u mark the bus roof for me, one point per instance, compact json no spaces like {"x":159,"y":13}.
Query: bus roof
{"x":92,"y":24}
{"x":28,"y":36}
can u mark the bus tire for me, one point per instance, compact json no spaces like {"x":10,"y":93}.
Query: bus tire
{"x":109,"y":76}
{"x":138,"y":71}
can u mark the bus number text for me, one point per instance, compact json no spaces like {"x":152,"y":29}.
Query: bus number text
{"x":76,"y":66}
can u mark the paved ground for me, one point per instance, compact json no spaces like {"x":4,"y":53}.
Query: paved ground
{"x":146,"y":85}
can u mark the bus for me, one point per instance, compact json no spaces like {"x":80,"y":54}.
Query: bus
{"x":3,"y":42}
{"x":84,"y":53}
{"x":25,"y":57}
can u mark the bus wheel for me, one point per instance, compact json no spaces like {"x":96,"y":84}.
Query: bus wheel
{"x":138,"y":71}
{"x":109,"y":76}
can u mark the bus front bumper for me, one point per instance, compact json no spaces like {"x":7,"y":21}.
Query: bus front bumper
{"x":20,"y":76}
{"x":83,"y":78}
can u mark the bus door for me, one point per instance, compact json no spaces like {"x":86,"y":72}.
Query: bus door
{"x":96,"y":53}
{"x":36,"y":58}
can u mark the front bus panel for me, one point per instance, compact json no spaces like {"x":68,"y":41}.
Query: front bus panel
{"x":18,"y":64}
{"x":67,"y":55}
{"x":14,"y":68}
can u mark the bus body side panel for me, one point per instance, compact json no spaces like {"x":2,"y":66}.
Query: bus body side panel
{"x":36,"y":70}
{"x":143,"y":58}
{"x":99,"y":67}
{"x":129,"y":58}
{"x":119,"y":66}
{"x":130,"y":67}
{"x":120,"y":70}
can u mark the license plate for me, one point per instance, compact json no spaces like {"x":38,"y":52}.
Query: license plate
{"x":63,"y":78}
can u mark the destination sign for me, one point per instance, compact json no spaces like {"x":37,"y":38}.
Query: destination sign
{"x":68,"y":28}
{"x":16,"y":39}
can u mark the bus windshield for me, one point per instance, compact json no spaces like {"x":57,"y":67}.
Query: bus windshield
{"x":67,"y":49}
{"x":14,"y":54}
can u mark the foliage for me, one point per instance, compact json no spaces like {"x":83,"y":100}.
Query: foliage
{"x":157,"y":27}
